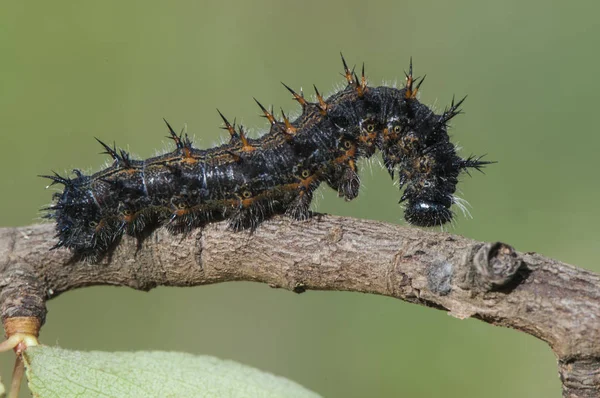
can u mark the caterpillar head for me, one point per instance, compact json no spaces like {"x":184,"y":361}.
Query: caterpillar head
{"x":424,"y":213}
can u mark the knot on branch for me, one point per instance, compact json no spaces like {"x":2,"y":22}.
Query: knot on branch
{"x":439,"y":277}
{"x":489,"y":266}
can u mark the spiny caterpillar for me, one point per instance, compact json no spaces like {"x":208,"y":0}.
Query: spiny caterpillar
{"x":248,"y":180}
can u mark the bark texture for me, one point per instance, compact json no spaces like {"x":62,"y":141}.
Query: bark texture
{"x":548,"y":299}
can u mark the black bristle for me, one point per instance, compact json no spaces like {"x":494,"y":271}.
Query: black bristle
{"x":173,"y":135}
{"x":57,"y":179}
{"x":109,"y":151}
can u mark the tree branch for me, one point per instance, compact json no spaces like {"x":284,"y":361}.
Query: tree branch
{"x":550,"y":300}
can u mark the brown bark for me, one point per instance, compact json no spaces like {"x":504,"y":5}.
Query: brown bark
{"x":550,"y":300}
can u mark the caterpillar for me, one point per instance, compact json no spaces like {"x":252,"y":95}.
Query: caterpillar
{"x":245,"y":181}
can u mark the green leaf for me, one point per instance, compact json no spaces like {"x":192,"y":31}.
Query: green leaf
{"x":55,"y":372}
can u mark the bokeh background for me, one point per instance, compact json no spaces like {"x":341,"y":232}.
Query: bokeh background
{"x":71,"y":71}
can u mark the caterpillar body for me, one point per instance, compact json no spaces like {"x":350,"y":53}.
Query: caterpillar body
{"x":248,"y":180}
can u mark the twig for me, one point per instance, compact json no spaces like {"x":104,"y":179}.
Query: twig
{"x":550,"y":300}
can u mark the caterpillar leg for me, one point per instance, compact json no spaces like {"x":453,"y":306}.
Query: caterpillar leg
{"x":345,"y":181}
{"x":248,"y":218}
{"x":299,"y":206}
{"x":252,"y":208}
{"x":342,"y":175}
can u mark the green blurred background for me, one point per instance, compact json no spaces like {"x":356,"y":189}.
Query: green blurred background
{"x":72,"y":71}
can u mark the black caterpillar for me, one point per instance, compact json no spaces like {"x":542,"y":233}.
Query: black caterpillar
{"x":248,"y":180}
